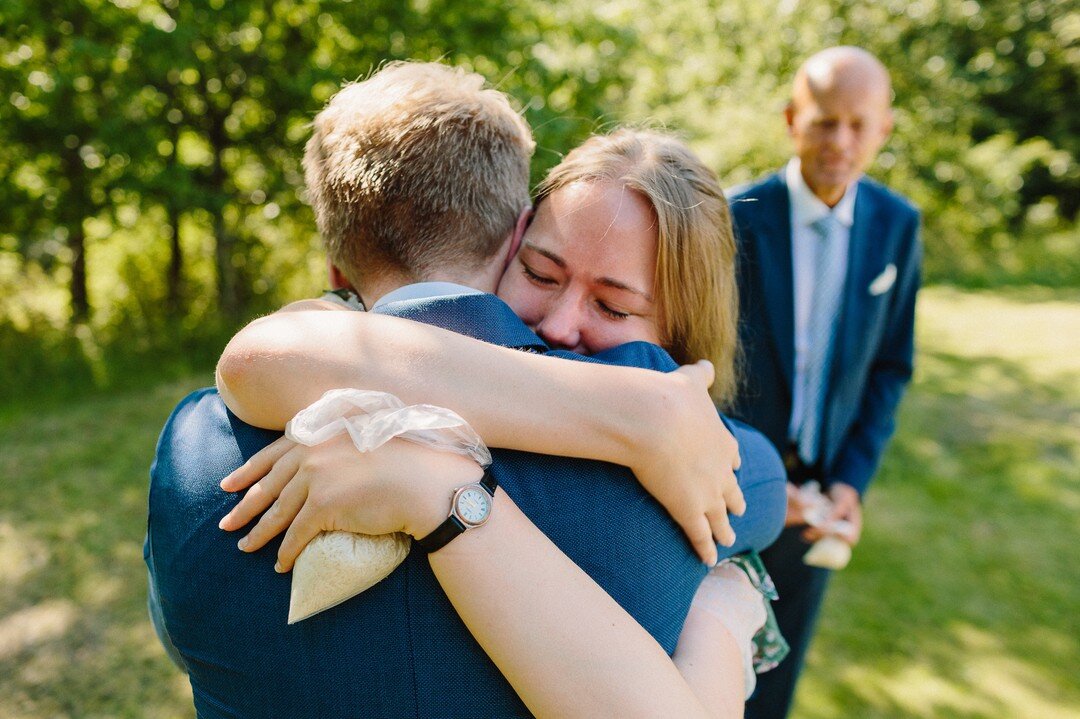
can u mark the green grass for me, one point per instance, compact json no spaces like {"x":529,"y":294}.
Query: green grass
{"x":961,"y":601}
{"x":74,"y":637}
{"x":963,"y":598}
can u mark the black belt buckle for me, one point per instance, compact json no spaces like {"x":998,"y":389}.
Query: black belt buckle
{"x":792,"y":463}
{"x":798,"y":471}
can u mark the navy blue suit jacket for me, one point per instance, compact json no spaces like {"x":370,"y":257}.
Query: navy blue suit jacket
{"x":399,"y":649}
{"x":872,"y":360}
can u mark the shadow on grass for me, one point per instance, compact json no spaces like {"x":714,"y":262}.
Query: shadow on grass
{"x":962,"y":600}
{"x":74,"y":637}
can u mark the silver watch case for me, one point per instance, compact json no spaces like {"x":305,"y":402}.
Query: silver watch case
{"x":456,"y":512}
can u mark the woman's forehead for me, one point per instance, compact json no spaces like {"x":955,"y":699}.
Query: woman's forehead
{"x":601,"y":216}
{"x":603,"y":230}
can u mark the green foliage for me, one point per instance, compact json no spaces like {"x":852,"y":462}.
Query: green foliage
{"x":986,"y":140}
{"x":150,"y":152}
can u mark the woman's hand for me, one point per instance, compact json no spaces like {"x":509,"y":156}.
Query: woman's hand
{"x":689,"y":466}
{"x":400,"y":487}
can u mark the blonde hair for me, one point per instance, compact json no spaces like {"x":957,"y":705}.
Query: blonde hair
{"x":697,"y":296}
{"x":416,"y":168}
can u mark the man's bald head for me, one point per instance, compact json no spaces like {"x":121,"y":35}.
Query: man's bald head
{"x":843,"y":67}
{"x":839,"y":117}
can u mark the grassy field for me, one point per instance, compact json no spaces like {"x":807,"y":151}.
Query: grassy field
{"x":962,"y":601}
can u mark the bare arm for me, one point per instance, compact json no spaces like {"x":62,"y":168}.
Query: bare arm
{"x":279,"y":364}
{"x":710,"y":661}
{"x":566,"y":647}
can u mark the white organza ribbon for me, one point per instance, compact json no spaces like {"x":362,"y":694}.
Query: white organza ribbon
{"x":373,"y":418}
{"x":336,"y":566}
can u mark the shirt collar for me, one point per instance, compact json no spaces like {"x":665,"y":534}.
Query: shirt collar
{"x":807,"y":208}
{"x":423,"y":291}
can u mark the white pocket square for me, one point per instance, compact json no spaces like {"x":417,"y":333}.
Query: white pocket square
{"x":883,"y":282}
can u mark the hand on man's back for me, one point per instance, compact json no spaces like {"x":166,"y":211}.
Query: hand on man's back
{"x":690,"y":468}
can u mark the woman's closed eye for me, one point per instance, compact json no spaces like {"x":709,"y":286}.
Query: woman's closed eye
{"x":536,"y":278}
{"x":610,"y":312}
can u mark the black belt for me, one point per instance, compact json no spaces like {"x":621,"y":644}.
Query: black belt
{"x":799,"y":471}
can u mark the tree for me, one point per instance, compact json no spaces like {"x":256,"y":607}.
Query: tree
{"x":59,"y":78}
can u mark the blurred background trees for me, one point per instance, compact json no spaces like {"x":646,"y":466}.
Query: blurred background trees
{"x":150,"y":184}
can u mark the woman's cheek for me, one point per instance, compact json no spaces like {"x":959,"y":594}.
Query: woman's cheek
{"x":647,"y":331}
{"x":526,"y":301}
{"x":598,"y":336}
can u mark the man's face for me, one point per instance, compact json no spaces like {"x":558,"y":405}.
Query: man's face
{"x":837,"y":130}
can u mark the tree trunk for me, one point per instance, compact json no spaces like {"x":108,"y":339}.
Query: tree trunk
{"x":72,"y":214}
{"x":228,"y":276}
{"x":224,"y":247}
{"x":174,"y":280}
{"x":174,"y":302}
{"x":80,"y":303}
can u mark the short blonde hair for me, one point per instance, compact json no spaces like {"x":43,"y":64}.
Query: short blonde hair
{"x":697,"y":296}
{"x":416,"y":168}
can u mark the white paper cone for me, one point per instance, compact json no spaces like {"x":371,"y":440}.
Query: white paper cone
{"x":337,"y":566}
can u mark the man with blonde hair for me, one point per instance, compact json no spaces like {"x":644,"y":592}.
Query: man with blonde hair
{"x":417,"y":171}
{"x":829,"y":268}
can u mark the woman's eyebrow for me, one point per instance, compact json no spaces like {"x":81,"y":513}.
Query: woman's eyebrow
{"x":546,"y":253}
{"x":606,"y":281}
{"x":616,"y":284}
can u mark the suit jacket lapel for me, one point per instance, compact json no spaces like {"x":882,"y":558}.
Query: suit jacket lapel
{"x":860,"y":268}
{"x":774,"y":258}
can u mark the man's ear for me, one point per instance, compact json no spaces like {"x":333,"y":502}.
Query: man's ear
{"x":337,"y":277}
{"x":515,"y":239}
{"x":789,"y":116}
{"x":886,"y":125}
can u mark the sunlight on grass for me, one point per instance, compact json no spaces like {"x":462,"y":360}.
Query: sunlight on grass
{"x":74,"y":636}
{"x":1036,"y":326}
{"x":20,"y":555}
{"x":27,"y":628}
{"x":916,"y":690}
{"x":991,"y":683}
{"x":962,"y":600}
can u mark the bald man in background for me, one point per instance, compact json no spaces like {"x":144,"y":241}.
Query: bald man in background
{"x":828,"y":271}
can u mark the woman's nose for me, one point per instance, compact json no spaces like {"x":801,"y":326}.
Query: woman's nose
{"x":561,"y":328}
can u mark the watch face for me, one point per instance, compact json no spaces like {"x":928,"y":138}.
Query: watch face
{"x":472,"y":505}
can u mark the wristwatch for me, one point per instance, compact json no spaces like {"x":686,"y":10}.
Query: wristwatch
{"x":470,"y":507}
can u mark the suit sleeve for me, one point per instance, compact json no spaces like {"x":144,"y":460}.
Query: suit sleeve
{"x":889,"y":375}
{"x":761,"y":478}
